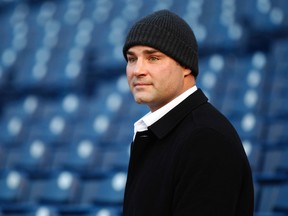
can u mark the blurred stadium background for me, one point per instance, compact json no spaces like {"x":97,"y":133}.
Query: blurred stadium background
{"x":66,"y":114}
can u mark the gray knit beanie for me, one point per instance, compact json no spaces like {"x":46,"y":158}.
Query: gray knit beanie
{"x":168,"y":33}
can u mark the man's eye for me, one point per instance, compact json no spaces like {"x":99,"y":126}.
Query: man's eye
{"x":153,"y":58}
{"x":131,"y":59}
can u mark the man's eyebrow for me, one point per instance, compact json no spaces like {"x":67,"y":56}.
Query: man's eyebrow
{"x":150,"y":51}
{"x":147,"y":52}
{"x":130,"y":53}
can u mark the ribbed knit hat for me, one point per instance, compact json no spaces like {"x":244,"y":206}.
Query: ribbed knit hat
{"x":168,"y":33}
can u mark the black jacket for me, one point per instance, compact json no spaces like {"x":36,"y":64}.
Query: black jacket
{"x":190,"y":162}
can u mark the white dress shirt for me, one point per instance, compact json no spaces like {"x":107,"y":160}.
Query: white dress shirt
{"x":151,"y":117}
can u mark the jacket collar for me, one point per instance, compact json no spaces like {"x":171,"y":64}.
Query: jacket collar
{"x":169,"y":121}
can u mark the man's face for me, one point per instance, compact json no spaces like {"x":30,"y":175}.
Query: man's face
{"x":153,"y":77}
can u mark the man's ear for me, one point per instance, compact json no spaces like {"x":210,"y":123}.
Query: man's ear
{"x":187,"y":71}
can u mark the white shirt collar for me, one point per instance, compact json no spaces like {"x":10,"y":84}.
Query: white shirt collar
{"x":151,"y":117}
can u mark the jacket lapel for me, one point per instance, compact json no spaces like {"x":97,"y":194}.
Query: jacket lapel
{"x":163,"y":126}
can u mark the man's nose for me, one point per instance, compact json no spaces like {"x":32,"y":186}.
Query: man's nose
{"x":139,"y":68}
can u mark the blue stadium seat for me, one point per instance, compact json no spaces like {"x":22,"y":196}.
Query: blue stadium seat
{"x":249,"y":126}
{"x":13,"y":129}
{"x":278,"y":202}
{"x":254,"y":153}
{"x":275,"y":160}
{"x":54,"y":129}
{"x":13,"y":187}
{"x":71,"y":106}
{"x":105,"y":191}
{"x":34,"y":157}
{"x":61,"y":188}
{"x":278,"y":100}
{"x":267,"y":200}
{"x":28,"y":74}
{"x":83,"y":156}
{"x":93,"y":127}
{"x":116,"y":158}
{"x":64,"y":73}
{"x":281,"y":203}
{"x":279,"y":54}
{"x":25,"y":108}
{"x":277,"y":132}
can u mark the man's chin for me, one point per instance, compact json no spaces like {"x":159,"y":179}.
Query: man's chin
{"x":140,"y":100}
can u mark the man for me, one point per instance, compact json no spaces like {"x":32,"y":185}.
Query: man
{"x":186,"y":158}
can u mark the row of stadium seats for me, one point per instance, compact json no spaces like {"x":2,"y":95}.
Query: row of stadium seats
{"x":51,"y":43}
